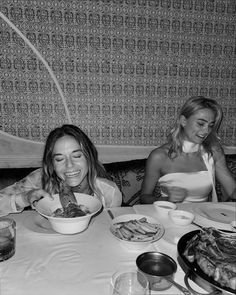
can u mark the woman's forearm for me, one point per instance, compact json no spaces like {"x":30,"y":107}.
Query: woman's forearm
{"x":233,"y":195}
{"x":148,"y":199}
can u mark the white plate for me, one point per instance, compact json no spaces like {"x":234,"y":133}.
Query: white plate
{"x":217,"y":212}
{"x":216,"y":215}
{"x":127,"y":217}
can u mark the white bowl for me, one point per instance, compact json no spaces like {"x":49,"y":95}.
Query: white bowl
{"x":73,"y":225}
{"x":136,"y":245}
{"x":163,"y":208}
{"x":180,"y":217}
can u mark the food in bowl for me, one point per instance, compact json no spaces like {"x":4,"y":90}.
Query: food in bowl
{"x":66,"y":196}
{"x":215,"y":254}
{"x":70,"y":207}
{"x":70,"y":225}
{"x":181,"y":217}
{"x":71,"y":210}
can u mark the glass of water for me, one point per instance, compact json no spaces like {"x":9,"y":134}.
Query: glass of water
{"x":7,"y":238}
{"x":131,"y":282}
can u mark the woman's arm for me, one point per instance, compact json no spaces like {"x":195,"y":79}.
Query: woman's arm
{"x":110,"y":192}
{"x":23,"y":193}
{"x":152,"y":174}
{"x":224,"y":175}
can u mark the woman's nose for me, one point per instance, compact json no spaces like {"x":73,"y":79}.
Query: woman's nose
{"x":69,"y":162}
{"x":206,"y":129}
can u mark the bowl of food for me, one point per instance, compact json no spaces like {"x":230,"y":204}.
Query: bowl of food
{"x":136,"y":231}
{"x":181,"y":217}
{"x":163,"y":208}
{"x":207,"y":257}
{"x":61,"y":220}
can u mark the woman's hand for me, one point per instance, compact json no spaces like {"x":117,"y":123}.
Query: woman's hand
{"x":174,"y":194}
{"x":35,"y":195}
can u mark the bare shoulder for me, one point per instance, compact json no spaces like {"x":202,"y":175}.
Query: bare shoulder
{"x":159,"y":154}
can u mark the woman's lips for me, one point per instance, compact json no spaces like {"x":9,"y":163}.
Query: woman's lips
{"x":72,"y":174}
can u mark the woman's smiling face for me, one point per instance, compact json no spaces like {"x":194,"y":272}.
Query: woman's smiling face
{"x":69,"y":161}
{"x":198,"y":126}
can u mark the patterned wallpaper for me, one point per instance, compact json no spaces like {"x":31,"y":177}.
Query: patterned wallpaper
{"x":124,"y":66}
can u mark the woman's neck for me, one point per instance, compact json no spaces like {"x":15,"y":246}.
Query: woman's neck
{"x":190,"y":147}
{"x":83,"y":187}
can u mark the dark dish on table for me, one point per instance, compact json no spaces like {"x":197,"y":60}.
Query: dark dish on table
{"x":211,"y":255}
{"x":159,"y":269}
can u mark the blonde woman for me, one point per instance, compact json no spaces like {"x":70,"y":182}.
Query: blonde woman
{"x":186,"y":166}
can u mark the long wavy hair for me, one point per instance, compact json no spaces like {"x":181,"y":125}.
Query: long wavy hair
{"x":190,"y":107}
{"x":50,"y":181}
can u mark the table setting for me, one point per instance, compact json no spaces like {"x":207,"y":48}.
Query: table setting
{"x":46,"y":261}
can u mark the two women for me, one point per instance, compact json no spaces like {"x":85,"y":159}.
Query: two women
{"x":185,"y":167}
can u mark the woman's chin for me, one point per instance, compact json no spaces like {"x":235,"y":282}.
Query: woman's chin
{"x":72,"y":183}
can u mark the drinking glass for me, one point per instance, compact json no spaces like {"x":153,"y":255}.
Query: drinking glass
{"x":7,"y":238}
{"x":131,"y":282}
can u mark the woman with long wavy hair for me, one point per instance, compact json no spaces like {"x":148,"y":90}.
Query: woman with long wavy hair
{"x":70,"y":162}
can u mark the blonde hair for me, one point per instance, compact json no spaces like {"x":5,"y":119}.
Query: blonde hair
{"x":190,"y":107}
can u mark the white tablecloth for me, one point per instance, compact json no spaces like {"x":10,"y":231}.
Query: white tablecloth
{"x":49,"y":263}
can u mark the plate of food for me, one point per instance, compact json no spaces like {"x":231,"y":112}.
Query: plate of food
{"x":208,"y":256}
{"x":136,"y":231}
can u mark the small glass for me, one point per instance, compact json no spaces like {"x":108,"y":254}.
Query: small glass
{"x":7,"y":238}
{"x":131,"y":282}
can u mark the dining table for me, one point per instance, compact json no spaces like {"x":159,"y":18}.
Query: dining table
{"x":46,"y":262}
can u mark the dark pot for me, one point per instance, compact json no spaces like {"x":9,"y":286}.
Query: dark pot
{"x":157,"y":267}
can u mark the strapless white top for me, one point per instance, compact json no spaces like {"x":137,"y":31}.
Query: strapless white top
{"x":197,"y":185}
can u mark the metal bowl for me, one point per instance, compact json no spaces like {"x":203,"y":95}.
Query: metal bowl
{"x":157,"y":266}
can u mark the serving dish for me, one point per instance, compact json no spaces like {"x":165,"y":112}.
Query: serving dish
{"x":194,"y":272}
{"x":181,"y":217}
{"x":138,"y":244}
{"x":72,"y":225}
{"x":163,"y":208}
